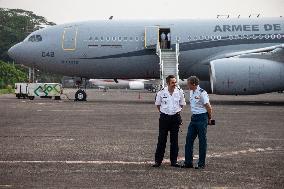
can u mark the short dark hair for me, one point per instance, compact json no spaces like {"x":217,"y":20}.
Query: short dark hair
{"x":169,"y":78}
{"x":193,"y":80}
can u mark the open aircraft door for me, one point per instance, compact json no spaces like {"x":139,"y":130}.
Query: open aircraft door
{"x":69,"y":38}
{"x":151,"y":37}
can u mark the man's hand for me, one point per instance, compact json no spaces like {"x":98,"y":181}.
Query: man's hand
{"x":209,"y":121}
{"x":158,"y":107}
{"x":209,"y":110}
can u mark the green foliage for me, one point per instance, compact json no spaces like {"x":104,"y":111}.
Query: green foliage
{"x":15,"y":26}
{"x":10,"y":74}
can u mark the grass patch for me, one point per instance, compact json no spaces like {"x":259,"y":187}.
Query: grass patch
{"x":9,"y":90}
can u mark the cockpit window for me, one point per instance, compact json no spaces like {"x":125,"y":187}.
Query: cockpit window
{"x":38,"y":38}
{"x":32,"y":38}
{"x":35,"y":38}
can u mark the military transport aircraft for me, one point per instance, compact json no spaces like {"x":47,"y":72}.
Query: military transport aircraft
{"x":239,"y":56}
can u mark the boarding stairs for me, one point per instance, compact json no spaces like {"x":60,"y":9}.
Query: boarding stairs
{"x":169,"y":64}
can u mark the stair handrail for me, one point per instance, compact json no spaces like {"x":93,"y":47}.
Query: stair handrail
{"x":177,"y":62}
{"x":177,"y":48}
{"x":158,"y":49}
{"x":162,"y":73}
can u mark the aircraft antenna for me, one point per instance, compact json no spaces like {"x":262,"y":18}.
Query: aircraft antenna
{"x":257,"y":15}
{"x":223,"y":15}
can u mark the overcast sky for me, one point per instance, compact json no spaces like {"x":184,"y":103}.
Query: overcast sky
{"x":63,"y":11}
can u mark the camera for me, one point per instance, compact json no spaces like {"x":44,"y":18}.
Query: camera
{"x":212,"y":122}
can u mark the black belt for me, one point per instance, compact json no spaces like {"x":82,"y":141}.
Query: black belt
{"x":196,"y":115}
{"x":170,"y":115}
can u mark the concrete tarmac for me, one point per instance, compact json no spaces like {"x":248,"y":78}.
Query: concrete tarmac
{"x":110,"y":140}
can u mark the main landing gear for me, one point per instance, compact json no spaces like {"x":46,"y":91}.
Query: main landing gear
{"x":81,"y":94}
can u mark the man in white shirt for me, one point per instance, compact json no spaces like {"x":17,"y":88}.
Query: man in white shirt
{"x":163,"y":41}
{"x":201,"y":117}
{"x":169,"y":101}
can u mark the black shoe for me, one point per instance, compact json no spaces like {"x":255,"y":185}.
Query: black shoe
{"x":156,"y":165}
{"x":187,"y":166}
{"x":200,"y":167}
{"x":175,"y":165}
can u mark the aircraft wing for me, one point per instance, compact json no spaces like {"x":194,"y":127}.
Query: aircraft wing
{"x":272,"y":53}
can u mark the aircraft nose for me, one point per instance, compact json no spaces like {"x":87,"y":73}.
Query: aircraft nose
{"x":12,"y":52}
{"x":21,"y":54}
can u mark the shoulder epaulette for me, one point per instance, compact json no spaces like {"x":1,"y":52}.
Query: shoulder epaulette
{"x":162,"y":89}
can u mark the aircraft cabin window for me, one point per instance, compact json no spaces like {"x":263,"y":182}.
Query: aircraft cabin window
{"x":142,"y":38}
{"x":125,"y":38}
{"x":96,"y":38}
{"x":279,"y":36}
{"x":113,"y":38}
{"x":272,"y":36}
{"x":130,"y":38}
{"x":137,"y":38}
{"x":119,"y":38}
{"x":107,"y":38}
{"x":102,"y":38}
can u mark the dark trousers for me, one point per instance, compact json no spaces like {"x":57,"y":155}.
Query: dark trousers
{"x":168,"y":44}
{"x":197,"y":127}
{"x":168,"y":124}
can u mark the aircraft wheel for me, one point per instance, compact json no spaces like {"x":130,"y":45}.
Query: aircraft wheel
{"x":57,"y":98}
{"x":80,"y":95}
{"x":154,"y":90}
{"x":31,"y":97}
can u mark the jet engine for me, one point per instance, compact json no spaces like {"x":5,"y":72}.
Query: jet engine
{"x":246,"y":76}
{"x":136,"y":85}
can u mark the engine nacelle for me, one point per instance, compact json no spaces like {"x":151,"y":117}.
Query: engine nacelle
{"x":246,"y":76}
{"x":136,"y":85}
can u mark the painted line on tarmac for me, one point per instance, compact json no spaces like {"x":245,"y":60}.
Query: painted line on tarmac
{"x":39,"y":110}
{"x":250,"y":150}
{"x":214,"y":155}
{"x":81,"y":162}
